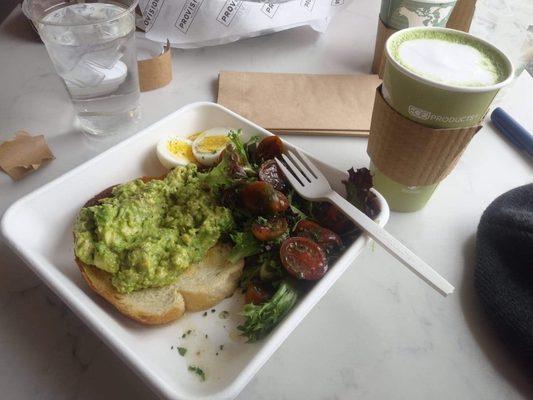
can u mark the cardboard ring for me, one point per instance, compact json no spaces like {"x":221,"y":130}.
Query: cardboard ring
{"x":156,"y":72}
{"x":378,"y":64}
{"x":411,"y":153}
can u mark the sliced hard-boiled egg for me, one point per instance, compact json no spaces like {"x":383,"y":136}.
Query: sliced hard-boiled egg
{"x":193,"y":136}
{"x":208,"y":146}
{"x":173,"y":151}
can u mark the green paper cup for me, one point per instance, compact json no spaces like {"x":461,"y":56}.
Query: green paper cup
{"x":401,"y":14}
{"x":441,"y":78}
{"x":400,"y":197}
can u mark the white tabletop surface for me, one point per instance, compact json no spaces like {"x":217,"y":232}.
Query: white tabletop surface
{"x":378,"y":334}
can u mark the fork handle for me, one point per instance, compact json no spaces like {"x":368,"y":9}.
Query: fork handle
{"x":392,"y":245}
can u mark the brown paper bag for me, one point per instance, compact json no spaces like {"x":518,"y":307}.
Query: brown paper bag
{"x":378,"y":64}
{"x":462,"y":15}
{"x":301,"y":103}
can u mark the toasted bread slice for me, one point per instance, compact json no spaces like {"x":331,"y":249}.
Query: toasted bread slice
{"x":207,"y":283}
{"x":201,"y":286}
{"x":149,"y":306}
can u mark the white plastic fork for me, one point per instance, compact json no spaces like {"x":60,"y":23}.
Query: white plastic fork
{"x":311,"y":184}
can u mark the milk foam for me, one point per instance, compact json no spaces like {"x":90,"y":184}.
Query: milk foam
{"x":448,"y":62}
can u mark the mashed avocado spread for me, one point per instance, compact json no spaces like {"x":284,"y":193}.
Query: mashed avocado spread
{"x":148,"y":233}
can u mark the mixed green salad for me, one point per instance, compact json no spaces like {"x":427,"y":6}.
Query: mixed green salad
{"x":286,"y":241}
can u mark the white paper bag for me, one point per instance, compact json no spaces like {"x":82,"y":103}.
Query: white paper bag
{"x":198,"y":23}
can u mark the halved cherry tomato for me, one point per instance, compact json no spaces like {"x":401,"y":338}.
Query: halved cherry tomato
{"x":256,"y":293}
{"x":272,"y":229}
{"x":268,"y":148}
{"x":325,"y":238}
{"x":330,"y":217}
{"x":303,"y":258}
{"x":260,"y":197}
{"x":270,"y":172}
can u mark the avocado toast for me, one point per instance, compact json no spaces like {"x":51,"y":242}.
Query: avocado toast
{"x":152,"y":295}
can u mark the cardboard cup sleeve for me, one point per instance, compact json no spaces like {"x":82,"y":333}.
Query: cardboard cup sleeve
{"x":410,"y":153}
{"x":155,"y":72}
{"x":379,"y":51}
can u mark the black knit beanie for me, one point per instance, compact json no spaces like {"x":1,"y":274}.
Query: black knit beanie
{"x":503,"y":275}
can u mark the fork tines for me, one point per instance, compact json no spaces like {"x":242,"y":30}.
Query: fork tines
{"x":304,"y":173}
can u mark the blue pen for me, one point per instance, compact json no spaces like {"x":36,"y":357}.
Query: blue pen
{"x":512,"y":130}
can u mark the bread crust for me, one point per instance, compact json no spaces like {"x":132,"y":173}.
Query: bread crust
{"x":100,"y":282}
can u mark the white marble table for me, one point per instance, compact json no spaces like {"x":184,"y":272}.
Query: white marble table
{"x":378,"y":334}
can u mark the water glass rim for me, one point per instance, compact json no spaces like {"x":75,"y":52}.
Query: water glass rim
{"x":27,"y":9}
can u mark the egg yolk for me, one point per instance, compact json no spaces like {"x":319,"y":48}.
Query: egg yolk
{"x":211,"y":144}
{"x":194,"y":136}
{"x":181,"y":149}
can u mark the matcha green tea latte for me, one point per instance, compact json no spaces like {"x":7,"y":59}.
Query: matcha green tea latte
{"x":440,"y":78}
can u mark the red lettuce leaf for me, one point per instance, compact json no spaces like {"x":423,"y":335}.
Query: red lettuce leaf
{"x":358,"y":192}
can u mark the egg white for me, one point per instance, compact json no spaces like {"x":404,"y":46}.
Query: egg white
{"x":166,"y":157}
{"x":209,"y":158}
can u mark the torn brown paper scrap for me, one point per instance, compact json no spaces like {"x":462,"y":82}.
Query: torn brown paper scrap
{"x":23,"y":154}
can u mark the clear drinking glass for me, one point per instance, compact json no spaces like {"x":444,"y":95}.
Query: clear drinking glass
{"x":92,"y":47}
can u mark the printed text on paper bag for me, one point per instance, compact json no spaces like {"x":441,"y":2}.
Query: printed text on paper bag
{"x":308,"y":4}
{"x":270,"y":9}
{"x":150,"y":13}
{"x":187,"y":14}
{"x":228,"y":12}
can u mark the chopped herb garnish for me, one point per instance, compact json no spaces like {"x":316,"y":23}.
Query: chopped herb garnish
{"x":189,"y":332}
{"x":198,"y":371}
{"x":183,"y":336}
{"x":223,"y":314}
{"x":182,"y":351}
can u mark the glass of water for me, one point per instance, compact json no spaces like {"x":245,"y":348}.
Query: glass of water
{"x":92,"y":47}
